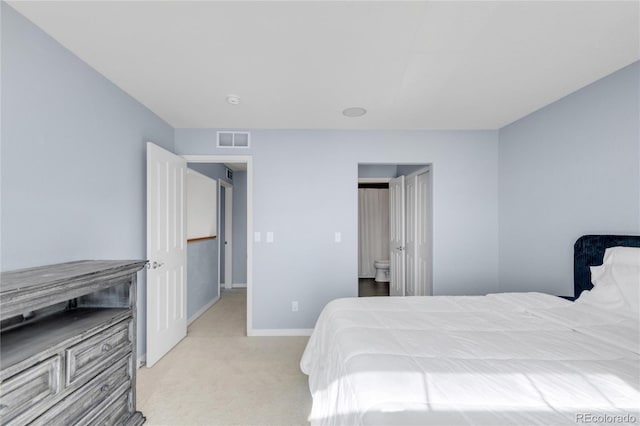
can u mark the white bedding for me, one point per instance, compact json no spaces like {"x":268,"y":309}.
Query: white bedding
{"x":525,"y":358}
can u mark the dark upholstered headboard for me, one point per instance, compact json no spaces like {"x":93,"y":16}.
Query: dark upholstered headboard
{"x":589,"y":251}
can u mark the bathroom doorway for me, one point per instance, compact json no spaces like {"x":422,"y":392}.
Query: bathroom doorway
{"x":373,"y":236}
{"x":394,"y":230}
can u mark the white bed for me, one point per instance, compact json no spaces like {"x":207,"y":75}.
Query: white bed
{"x":525,"y":359}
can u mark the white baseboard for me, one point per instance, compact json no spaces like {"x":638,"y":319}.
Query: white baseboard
{"x":202,"y":310}
{"x":275,"y":332}
{"x":239,"y":285}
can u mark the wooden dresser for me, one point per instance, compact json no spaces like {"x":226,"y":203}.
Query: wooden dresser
{"x":68,"y":344}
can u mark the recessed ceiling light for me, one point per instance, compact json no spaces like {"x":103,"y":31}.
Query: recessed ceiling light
{"x":233,"y":99}
{"x":354,"y":112}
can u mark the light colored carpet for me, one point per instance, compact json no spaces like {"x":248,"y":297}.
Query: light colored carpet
{"x":218,"y":376}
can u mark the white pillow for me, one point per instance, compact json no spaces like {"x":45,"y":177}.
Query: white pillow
{"x":596,"y":273}
{"x":604,"y":294}
{"x":627,"y":280}
{"x":622,"y":256}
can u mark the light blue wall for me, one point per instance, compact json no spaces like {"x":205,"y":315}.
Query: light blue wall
{"x":202,"y":275}
{"x":569,"y":169}
{"x":202,"y":256}
{"x":73,"y":158}
{"x":377,"y":170}
{"x":301,"y":200}
{"x":213,"y":170}
{"x":239,"y":227}
{"x":407,"y":169}
{"x":387,"y":170}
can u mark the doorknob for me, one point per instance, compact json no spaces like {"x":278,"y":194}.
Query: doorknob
{"x":156,"y":265}
{"x":400,"y":248}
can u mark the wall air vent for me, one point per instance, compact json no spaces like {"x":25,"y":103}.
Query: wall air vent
{"x":233,"y":139}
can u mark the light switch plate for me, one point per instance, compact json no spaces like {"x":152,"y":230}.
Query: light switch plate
{"x":269,"y":237}
{"x":337,"y":237}
{"x":257,"y":237}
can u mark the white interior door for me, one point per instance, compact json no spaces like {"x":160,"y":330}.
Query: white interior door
{"x":397,"y":236}
{"x":410,"y":242}
{"x":227,"y":244}
{"x":423,"y":235}
{"x":166,"y":252}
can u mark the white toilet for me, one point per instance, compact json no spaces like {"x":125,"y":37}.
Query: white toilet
{"x":382,"y":270}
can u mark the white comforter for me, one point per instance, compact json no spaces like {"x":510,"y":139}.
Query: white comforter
{"x":524,"y":358}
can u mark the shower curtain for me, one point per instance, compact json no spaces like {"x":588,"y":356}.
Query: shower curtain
{"x":373,"y":229}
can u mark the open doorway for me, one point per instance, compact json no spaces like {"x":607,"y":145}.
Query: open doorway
{"x":167,"y":239}
{"x":233,"y":251}
{"x":373,"y":237}
{"x":394,"y":229}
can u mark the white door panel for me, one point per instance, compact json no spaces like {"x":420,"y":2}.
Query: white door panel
{"x":228,"y":236}
{"x":423,"y":234}
{"x":410,"y":243}
{"x":166,"y":252}
{"x":226,"y":245}
{"x":397,"y":236}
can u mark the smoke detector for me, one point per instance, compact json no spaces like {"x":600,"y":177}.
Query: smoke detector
{"x":233,"y":99}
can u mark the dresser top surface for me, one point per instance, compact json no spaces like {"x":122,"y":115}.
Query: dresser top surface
{"x":32,"y":278}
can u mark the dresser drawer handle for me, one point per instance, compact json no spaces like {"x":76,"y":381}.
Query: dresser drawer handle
{"x":3,"y":406}
{"x":106,"y":347}
{"x":104,"y":388}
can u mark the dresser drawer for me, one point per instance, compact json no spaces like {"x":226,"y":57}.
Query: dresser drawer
{"x":27,"y":393}
{"x":115,"y":413}
{"x":88,"y":357}
{"x":87,"y":402}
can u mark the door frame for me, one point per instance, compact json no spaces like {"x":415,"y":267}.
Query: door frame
{"x":428,"y":167}
{"x":228,"y":234}
{"x":248,"y":160}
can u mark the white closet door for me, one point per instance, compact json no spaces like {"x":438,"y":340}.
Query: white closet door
{"x":423,"y":235}
{"x":397,"y":236}
{"x":411,"y":230}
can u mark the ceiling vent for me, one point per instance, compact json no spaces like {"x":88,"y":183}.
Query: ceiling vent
{"x":233,"y":139}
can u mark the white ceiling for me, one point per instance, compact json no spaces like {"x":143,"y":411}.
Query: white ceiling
{"x":297,"y":65}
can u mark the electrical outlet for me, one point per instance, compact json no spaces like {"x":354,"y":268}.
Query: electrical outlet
{"x":294,"y":306}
